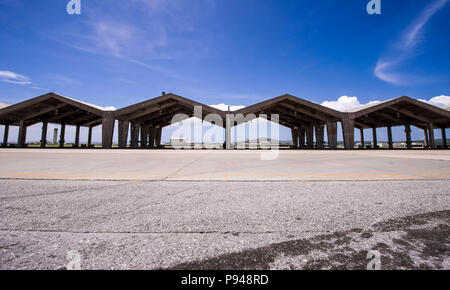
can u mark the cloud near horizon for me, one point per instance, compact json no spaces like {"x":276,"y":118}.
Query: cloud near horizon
{"x":347,"y":104}
{"x":224,"y":107}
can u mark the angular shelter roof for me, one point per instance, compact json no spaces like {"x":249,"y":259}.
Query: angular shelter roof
{"x":53,"y":108}
{"x":160,"y":110}
{"x":293,"y":111}
{"x":400,"y":111}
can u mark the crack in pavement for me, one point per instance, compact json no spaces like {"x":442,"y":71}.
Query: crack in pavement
{"x":94,"y":188}
{"x":235,"y":233}
{"x":181,"y":168}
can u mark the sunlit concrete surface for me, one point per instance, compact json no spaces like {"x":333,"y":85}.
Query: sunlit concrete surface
{"x":167,"y":209}
{"x":210,"y":165}
{"x":224,"y":225}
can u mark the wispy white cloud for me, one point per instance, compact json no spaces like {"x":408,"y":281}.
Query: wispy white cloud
{"x":63,"y":80}
{"x":18,"y":79}
{"x":14,"y":78}
{"x":403,"y":50}
{"x":166,"y":31}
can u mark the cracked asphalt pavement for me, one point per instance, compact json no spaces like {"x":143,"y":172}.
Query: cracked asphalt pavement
{"x":224,"y":225}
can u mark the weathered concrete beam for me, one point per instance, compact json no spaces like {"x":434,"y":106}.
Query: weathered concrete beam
{"x":90,"y":137}
{"x":348,"y":130}
{"x":42,"y":111}
{"x":361,"y":134}
{"x":431,"y":136}
{"x":22,"y":134}
{"x":294,"y":135}
{"x":319,"y":136}
{"x":151,"y":136}
{"x":77,"y":136}
{"x":6,"y":133}
{"x":309,"y":137}
{"x":144,"y":136}
{"x":332,"y":135}
{"x":408,"y":136}
{"x":390,"y":142}
{"x":444,"y":138}
{"x":374,"y":137}
{"x":158,"y":137}
{"x":302,"y":136}
{"x":134,"y":135}
{"x":123,"y":133}
{"x":62,"y":135}
{"x":107,"y":130}
{"x":44,"y":134}
{"x":425,"y":138}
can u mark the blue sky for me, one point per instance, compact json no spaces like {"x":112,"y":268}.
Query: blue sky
{"x":236,"y":52}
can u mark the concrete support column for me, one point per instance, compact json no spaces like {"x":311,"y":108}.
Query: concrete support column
{"x":107,"y":130}
{"x":332,"y":135}
{"x":77,"y":137}
{"x":228,"y":126}
{"x":22,"y":134}
{"x":6,"y":133}
{"x":320,"y":136}
{"x":134,"y":135}
{"x":425,"y":138}
{"x":294,"y":134}
{"x":62,"y":136}
{"x":158,"y":137}
{"x":374,"y":137}
{"x":44,"y":134}
{"x":443,"y":133}
{"x":301,"y":137}
{"x":90,"y":137}
{"x":361,"y":134}
{"x":408,"y":136}
{"x":348,"y":130}
{"x":144,"y":136}
{"x":390,"y":142}
{"x":431,"y":136}
{"x":151,"y":136}
{"x":310,"y":137}
{"x":123,"y":133}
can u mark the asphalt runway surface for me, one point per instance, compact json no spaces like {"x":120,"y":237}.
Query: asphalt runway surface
{"x":298,"y":221}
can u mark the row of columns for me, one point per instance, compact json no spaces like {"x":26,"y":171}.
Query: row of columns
{"x":150,"y":136}
{"x":21,"y":140}
{"x":429,"y":140}
{"x":303,"y":136}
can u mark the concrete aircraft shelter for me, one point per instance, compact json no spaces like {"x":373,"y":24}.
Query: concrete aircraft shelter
{"x":402,"y":111}
{"x":303,"y":117}
{"x":149,"y":117}
{"x":57,"y":109}
{"x":144,"y":121}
